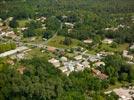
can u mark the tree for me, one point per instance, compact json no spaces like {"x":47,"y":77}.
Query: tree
{"x":67,"y":41}
{"x":124,"y":76}
{"x":13,"y":23}
{"x":53,"y":23}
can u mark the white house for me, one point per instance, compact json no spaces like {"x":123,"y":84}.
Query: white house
{"x":98,"y":64}
{"x":107,"y":41}
{"x":55,"y":62}
{"x":88,"y":41}
{"x":79,"y":57}
{"x":132,"y":47}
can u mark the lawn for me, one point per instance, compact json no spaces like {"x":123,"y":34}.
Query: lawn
{"x":56,"y":42}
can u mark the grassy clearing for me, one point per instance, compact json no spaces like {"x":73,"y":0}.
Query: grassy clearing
{"x":22,"y":23}
{"x":56,"y":42}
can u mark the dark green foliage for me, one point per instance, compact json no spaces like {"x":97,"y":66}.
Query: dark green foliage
{"x":13,"y":23}
{"x":41,"y":81}
{"x":67,"y":41}
{"x":34,"y":28}
{"x":118,"y":69}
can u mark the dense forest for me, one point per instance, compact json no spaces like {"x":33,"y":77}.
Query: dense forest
{"x":41,"y":81}
{"x":90,"y":16}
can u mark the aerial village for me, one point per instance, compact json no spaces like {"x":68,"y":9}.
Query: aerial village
{"x":67,"y":60}
{"x":79,"y":59}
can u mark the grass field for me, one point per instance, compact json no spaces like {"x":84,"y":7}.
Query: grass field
{"x":56,"y":42}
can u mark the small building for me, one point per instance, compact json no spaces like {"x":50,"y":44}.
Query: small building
{"x":88,"y":41}
{"x":98,"y":64}
{"x":55,"y":62}
{"x":99,"y":74}
{"x":86,"y":64}
{"x":69,"y":25}
{"x":63,"y":69}
{"x":11,"y":34}
{"x":126,"y":55}
{"x":69,"y":65}
{"x":94,"y":59}
{"x":107,"y":41}
{"x":124,"y":93}
{"x":51,"y":49}
{"x":63,"y":59}
{"x":132,"y":47}
{"x":79,"y":57}
{"x":79,"y":67}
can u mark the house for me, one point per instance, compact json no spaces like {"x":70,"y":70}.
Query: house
{"x":51,"y":49}
{"x":121,"y":26}
{"x":111,"y":29}
{"x":132,"y":47}
{"x":103,"y":53}
{"x":79,"y":67}
{"x":64,"y":17}
{"x":88,"y":41}
{"x":124,"y":93}
{"x":20,"y":56}
{"x":69,"y":65}
{"x":98,"y":64}
{"x":107,"y":41}
{"x":126,"y":55}
{"x":55,"y":62}
{"x":69,"y":30}
{"x":99,"y":74}
{"x":69,"y":25}
{"x":63,"y":59}
{"x":42,"y":19}
{"x":63,"y":69}
{"x":94,"y":59}
{"x":2,"y":34}
{"x":79,"y":57}
{"x":11,"y":34}
{"x":86,"y":64}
